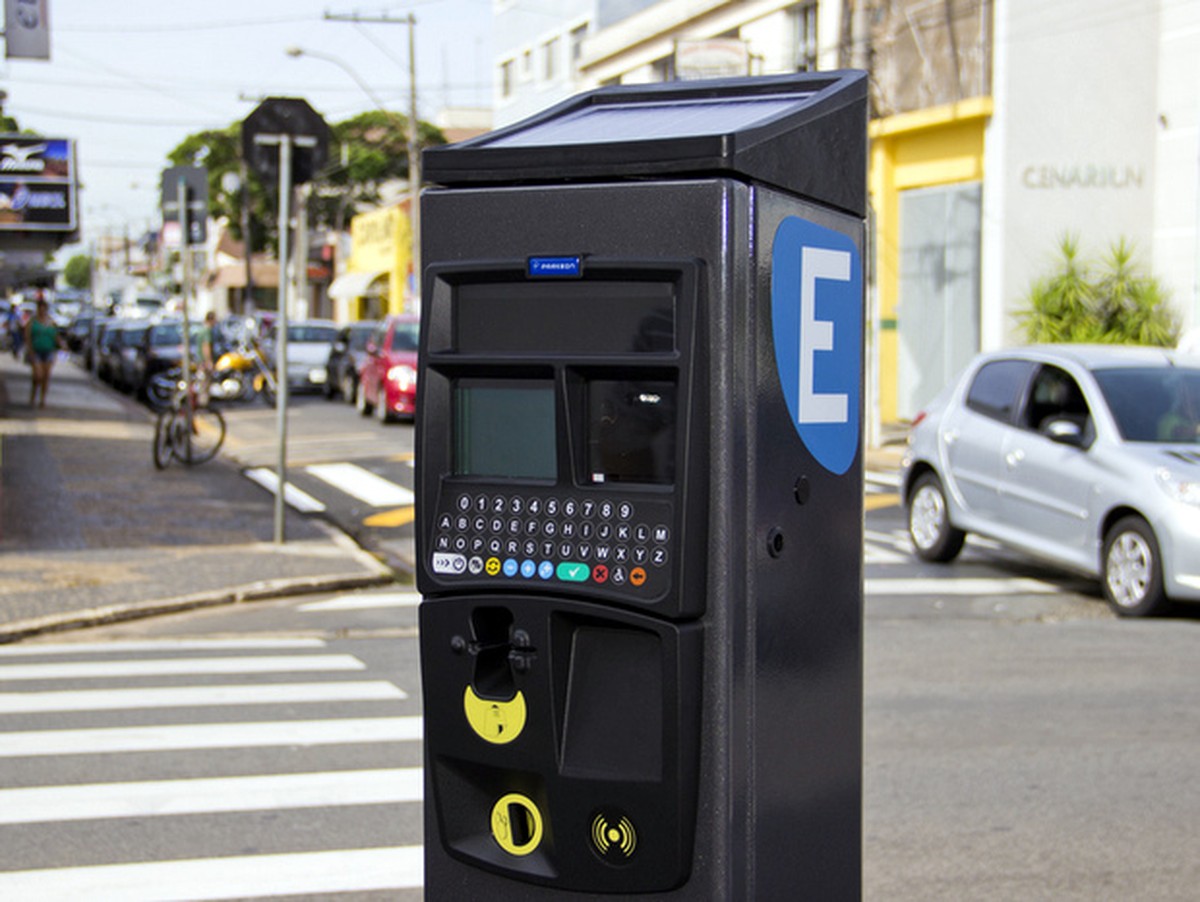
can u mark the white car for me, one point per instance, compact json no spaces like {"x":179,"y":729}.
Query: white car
{"x":308,"y":346}
{"x":1084,"y":456}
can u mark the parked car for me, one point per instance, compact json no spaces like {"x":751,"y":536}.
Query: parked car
{"x":308,"y":345}
{"x":108,"y":364}
{"x":161,"y":348}
{"x":79,"y":331}
{"x":387,"y":384}
{"x":125,"y":376}
{"x":346,"y":359}
{"x":1084,"y":456}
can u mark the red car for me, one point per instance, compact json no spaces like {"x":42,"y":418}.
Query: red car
{"x":387,"y":383}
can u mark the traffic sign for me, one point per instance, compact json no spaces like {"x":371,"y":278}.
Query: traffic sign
{"x":292,"y":116}
{"x":195,"y":184}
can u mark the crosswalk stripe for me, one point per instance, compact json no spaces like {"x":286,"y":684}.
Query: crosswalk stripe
{"x":164,"y":798}
{"x":132,"y":645}
{"x":71,"y":670}
{"x":179,"y":737}
{"x":1014,"y":586}
{"x":362,"y":484}
{"x":300,"y":500}
{"x":365,"y":602}
{"x":303,"y":873}
{"x":198,"y":696}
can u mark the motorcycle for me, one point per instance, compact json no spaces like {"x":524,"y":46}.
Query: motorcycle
{"x":243,"y":373}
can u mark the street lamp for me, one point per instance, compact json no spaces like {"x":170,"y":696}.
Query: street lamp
{"x":298,"y":52}
{"x":414,"y":157}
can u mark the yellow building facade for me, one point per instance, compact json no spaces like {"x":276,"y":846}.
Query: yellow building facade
{"x":379,"y":267}
{"x":928,"y":149}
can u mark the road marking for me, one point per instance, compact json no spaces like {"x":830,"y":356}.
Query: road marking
{"x":198,"y":696}
{"x":950,"y":586}
{"x":249,"y":876}
{"x":362,"y":484}
{"x":298,"y":499}
{"x":179,"y":737}
{"x":124,"y":646}
{"x":401,"y":516}
{"x":365,"y":602}
{"x":873,"y":554}
{"x":876,"y":501}
{"x":210,"y":795}
{"x":71,"y":670}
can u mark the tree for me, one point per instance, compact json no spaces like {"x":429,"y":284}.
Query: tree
{"x":78,"y":272}
{"x":1117,"y":304}
{"x":368,"y":150}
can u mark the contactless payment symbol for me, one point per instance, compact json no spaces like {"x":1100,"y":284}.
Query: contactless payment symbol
{"x":817,"y":321}
{"x":613,"y":836}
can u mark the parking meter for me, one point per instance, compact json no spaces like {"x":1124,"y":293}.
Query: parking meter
{"x":639,"y":496}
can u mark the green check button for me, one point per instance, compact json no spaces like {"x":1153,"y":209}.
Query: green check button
{"x":572,"y":572}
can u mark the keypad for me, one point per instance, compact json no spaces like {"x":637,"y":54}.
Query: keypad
{"x":587,"y":541}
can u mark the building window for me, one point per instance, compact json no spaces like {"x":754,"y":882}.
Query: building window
{"x":527,"y":65}
{"x":804,"y":37}
{"x":550,"y":52}
{"x":506,"y":79}
{"x":577,"y":37}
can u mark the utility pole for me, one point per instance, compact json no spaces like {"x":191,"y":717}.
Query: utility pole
{"x":414,"y":155}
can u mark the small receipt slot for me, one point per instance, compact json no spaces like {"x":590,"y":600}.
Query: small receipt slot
{"x":639,"y":496}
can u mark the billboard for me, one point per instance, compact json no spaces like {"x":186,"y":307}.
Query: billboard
{"x":37,"y":184}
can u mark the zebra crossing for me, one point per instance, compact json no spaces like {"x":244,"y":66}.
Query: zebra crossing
{"x":206,"y":769}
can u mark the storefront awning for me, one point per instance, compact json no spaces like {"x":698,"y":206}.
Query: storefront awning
{"x":355,"y":285}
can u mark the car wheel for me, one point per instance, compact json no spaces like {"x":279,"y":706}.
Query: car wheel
{"x":1132,"y":571}
{"x":381,"y":407}
{"x":933,"y":536}
{"x":360,"y":400}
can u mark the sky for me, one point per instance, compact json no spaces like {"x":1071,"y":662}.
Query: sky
{"x":129,"y":79}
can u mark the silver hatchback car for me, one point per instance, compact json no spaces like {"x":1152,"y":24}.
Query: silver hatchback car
{"x":1084,"y":456}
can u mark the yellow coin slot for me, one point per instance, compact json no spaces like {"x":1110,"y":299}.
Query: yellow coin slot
{"x":497,"y":722}
{"x":516,"y":824}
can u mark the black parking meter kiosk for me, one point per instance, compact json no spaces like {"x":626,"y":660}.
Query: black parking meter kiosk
{"x":639,"y":490}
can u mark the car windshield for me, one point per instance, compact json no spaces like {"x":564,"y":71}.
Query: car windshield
{"x":405,"y":337}
{"x":164,"y":335}
{"x":1156,"y":404}
{"x":132,"y":337}
{"x":312,"y":334}
{"x":360,"y":337}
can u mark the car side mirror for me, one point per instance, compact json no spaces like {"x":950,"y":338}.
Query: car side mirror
{"x":1064,"y":431}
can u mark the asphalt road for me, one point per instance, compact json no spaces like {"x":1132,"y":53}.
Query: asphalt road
{"x":1022,"y":745}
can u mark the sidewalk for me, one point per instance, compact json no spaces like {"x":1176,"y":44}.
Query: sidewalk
{"x":91,"y":532}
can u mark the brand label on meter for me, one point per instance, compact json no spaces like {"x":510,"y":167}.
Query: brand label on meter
{"x":817,"y":320}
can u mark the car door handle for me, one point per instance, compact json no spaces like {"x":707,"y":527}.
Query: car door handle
{"x":1014,"y":458}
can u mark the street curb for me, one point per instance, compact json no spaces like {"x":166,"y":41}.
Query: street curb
{"x":264,"y":590}
{"x":260,"y":591}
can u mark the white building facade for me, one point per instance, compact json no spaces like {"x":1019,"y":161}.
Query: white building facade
{"x":999,"y":126}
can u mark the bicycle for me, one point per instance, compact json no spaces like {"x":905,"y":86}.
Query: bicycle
{"x":189,"y":430}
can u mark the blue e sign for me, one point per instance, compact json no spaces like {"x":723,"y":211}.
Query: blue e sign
{"x":817,"y":320}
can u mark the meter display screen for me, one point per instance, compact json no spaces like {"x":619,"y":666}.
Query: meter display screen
{"x":505,"y":430}
{"x":565,"y":318}
{"x":631,"y":431}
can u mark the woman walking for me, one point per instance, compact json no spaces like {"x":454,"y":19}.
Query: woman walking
{"x":43,"y":342}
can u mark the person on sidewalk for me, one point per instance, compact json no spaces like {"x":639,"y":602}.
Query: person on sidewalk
{"x":43,"y":341}
{"x":16,"y":330}
{"x":208,"y":355}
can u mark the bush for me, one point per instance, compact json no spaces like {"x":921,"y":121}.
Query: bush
{"x":1116,"y":304}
